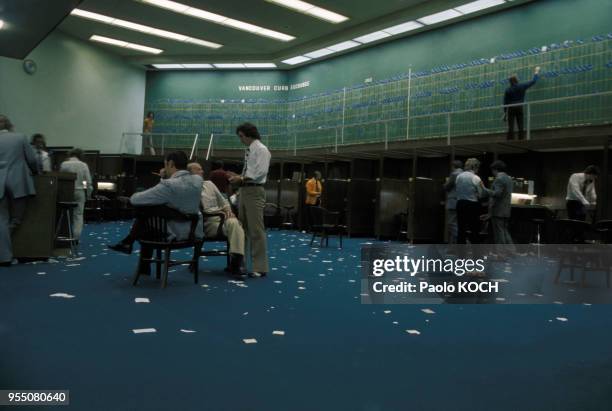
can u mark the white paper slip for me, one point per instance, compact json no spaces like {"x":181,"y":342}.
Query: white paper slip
{"x":141,"y":300}
{"x":144,"y":330}
{"x":278,"y":332}
{"x":387,"y":311}
{"x":413,"y":332}
{"x":277,"y":281}
{"x":204,"y":285}
{"x":62,"y":295}
{"x":41,"y":273}
{"x":301,"y":288}
{"x":561,"y":319}
{"x":301,"y":281}
{"x":428,"y":311}
{"x":187,"y":331}
{"x":249,"y":340}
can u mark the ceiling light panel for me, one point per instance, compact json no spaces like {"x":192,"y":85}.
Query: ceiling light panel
{"x":125,"y":44}
{"x":439,"y":17}
{"x":478,"y":5}
{"x":219,"y":19}
{"x":368,"y":38}
{"x":229,"y":65}
{"x":260,"y":65}
{"x":345,"y":45}
{"x":403,"y":28}
{"x":310,"y":9}
{"x":143,"y":29}
{"x":319,"y":53}
{"x":296,"y":60}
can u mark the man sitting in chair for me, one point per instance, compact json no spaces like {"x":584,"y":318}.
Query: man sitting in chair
{"x":179,"y":190}
{"x":213,"y":202}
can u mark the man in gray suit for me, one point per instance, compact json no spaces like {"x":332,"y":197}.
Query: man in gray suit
{"x":500,"y":205}
{"x":180,"y":190}
{"x":17,"y":165}
{"x":451,"y":202}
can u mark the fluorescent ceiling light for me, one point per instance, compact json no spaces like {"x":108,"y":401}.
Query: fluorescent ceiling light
{"x":402,"y":28}
{"x":368,"y":38}
{"x":1,"y":24}
{"x":197,"y":66}
{"x":168,"y":66}
{"x":229,"y":65}
{"x":143,"y":29}
{"x":345,"y":45}
{"x":124,"y":44}
{"x":319,"y":53}
{"x":478,"y":5}
{"x":439,"y":17}
{"x":219,"y":19}
{"x":296,"y":60}
{"x":311,"y":9}
{"x":260,"y":65}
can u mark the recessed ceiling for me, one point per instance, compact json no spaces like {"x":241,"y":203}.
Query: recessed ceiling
{"x":311,"y":34}
{"x":27,"y":22}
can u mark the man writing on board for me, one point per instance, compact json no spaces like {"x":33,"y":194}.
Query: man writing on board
{"x":515,"y":97}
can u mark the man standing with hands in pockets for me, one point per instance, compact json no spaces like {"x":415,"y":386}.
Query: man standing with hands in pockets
{"x":253,"y":196}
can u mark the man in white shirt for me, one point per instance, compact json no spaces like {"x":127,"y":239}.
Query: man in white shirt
{"x":213,"y":202}
{"x":82,"y":187}
{"x":253,"y":196}
{"x":581,"y":193}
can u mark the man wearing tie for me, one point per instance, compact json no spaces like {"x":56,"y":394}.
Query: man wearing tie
{"x":17,"y":164}
{"x":581,"y":193}
{"x":253,"y":196}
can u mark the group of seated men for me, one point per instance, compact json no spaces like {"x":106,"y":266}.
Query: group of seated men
{"x":183,"y":188}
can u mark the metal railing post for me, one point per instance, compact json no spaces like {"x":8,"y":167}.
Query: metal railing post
{"x":386,"y":136}
{"x":343,"y":111}
{"x":528,"y":121}
{"x":163,"y":143}
{"x":193,"y":148}
{"x":336,"y":143}
{"x":295,"y":144}
{"x":448,"y":125}
{"x":209,"y":146}
{"x":408,"y":104}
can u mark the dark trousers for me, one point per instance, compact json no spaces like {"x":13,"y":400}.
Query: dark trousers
{"x":515,"y":114}
{"x":575,"y":210}
{"x":468,"y":221}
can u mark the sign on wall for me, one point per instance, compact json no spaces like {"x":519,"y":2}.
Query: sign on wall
{"x":274,"y":87}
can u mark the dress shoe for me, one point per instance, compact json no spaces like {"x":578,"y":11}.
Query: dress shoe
{"x":255,"y":274}
{"x":121,"y":247}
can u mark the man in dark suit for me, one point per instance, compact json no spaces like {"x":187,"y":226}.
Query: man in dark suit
{"x":17,"y":165}
{"x":514,"y":97}
{"x":500,"y":205}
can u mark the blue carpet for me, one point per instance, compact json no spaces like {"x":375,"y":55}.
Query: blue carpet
{"x":336,"y":354}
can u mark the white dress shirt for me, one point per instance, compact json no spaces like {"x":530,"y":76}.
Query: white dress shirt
{"x":577,"y":190}
{"x":256,"y":162}
{"x":212,"y":199}
{"x":83,"y":178}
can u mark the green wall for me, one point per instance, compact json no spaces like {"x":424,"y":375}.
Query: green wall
{"x":80,"y":96}
{"x":534,"y":24}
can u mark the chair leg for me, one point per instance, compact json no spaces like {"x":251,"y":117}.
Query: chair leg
{"x":340,"y":236}
{"x":313,"y":238}
{"x":166,"y":267}
{"x":327,"y":241}
{"x":608,"y":277}
{"x":195,"y":262}
{"x":583,"y":279}
{"x":137,"y":273}
{"x":158,"y":264}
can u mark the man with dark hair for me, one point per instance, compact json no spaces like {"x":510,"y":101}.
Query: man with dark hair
{"x":253,"y":196}
{"x":451,"y":201}
{"x":179,"y":190}
{"x":17,"y":164}
{"x":500,"y":204}
{"x":515,"y":94}
{"x":42,"y":155}
{"x":581,"y":193}
{"x":82,"y":187}
{"x":219,"y":177}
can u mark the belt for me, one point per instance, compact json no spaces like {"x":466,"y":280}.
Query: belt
{"x":252,"y":185}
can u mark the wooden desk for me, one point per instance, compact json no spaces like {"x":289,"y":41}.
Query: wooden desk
{"x":35,"y":237}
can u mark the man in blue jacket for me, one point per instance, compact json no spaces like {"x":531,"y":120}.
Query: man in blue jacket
{"x":515,"y":94}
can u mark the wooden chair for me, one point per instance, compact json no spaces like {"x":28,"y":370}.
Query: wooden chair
{"x":573,"y":251}
{"x":324,"y":224}
{"x":218,"y":238}
{"x":153,"y":233}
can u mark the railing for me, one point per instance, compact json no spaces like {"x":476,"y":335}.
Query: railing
{"x":562,"y":112}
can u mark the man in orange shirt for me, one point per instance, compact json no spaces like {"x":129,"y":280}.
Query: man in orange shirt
{"x":314,"y":188}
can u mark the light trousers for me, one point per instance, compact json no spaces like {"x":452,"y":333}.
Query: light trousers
{"x":252,"y":202}
{"x":80,"y":196}
{"x":232,"y":230}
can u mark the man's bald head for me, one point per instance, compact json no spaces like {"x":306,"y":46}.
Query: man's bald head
{"x":195,"y":168}
{"x":5,"y":123}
